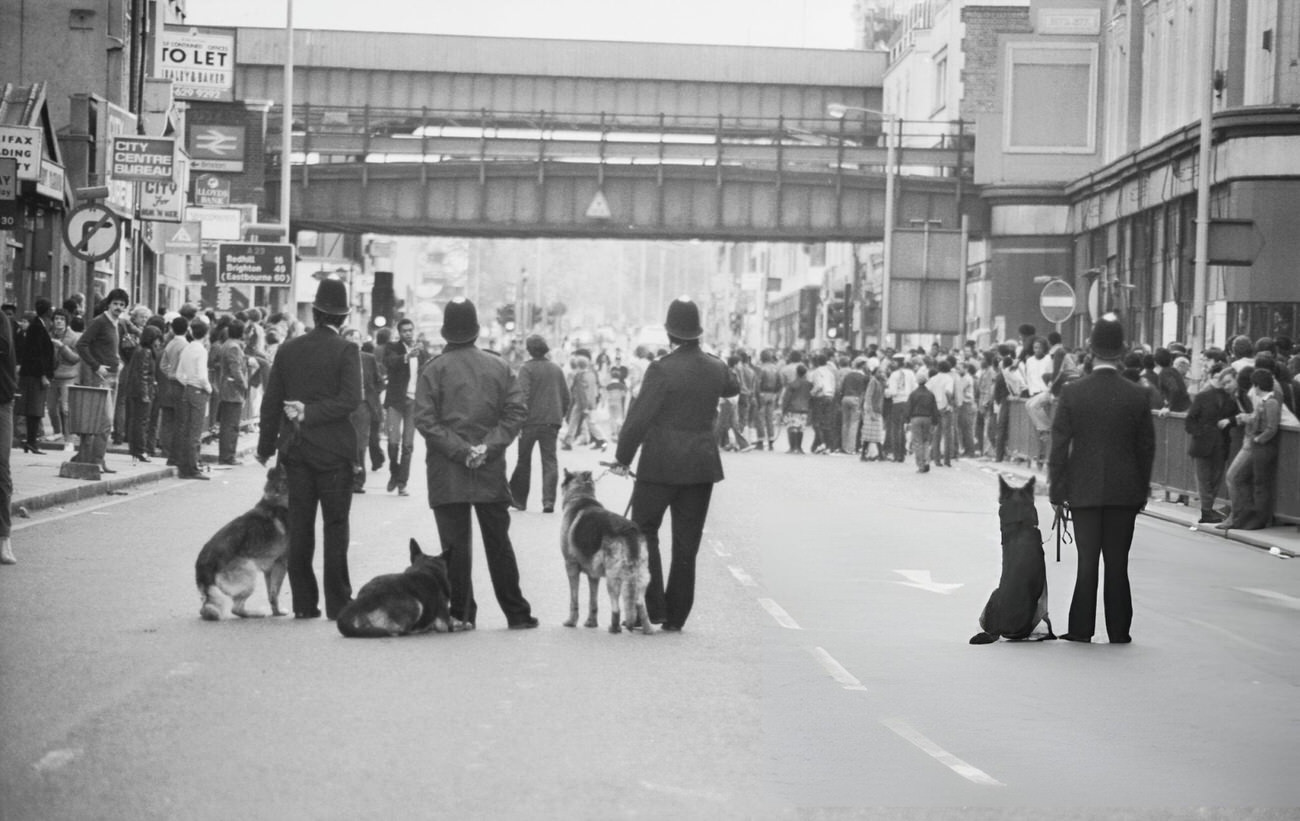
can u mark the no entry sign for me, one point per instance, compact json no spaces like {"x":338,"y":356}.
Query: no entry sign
{"x":1057,"y":301}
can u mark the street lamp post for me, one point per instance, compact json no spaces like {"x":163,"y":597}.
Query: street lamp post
{"x":893,"y":134}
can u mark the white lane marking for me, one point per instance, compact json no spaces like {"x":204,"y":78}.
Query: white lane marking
{"x":741,"y":576}
{"x":776,"y":612}
{"x":846,"y":679}
{"x":717,"y":548}
{"x":683,"y":792}
{"x":1242,"y":639}
{"x":952,"y":762}
{"x":185,"y":668}
{"x":921,"y":579}
{"x":1281,"y":598}
{"x":57,"y":759}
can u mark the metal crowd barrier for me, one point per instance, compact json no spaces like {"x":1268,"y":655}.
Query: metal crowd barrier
{"x":1174,"y":471}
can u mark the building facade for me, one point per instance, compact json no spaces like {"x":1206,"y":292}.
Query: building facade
{"x":1086,"y":115}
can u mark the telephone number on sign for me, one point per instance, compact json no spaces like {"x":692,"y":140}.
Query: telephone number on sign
{"x":191,"y":93}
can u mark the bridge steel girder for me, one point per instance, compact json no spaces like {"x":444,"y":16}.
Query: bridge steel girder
{"x":441,"y":73}
{"x":646,"y":202}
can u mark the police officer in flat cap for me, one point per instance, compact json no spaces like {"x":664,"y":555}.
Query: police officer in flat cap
{"x":469,"y":408}
{"x":671,"y":423}
{"x":1103,"y":449}
{"x":311,"y":392}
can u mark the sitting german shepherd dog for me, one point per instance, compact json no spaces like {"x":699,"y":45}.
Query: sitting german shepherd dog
{"x":1020,"y":601}
{"x":399,"y":604}
{"x":254,"y":542}
{"x":600,"y":543}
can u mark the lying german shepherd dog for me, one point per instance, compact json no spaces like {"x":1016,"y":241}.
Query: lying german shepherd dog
{"x":1020,"y":601}
{"x":600,"y":543}
{"x":399,"y":604}
{"x":254,"y":542}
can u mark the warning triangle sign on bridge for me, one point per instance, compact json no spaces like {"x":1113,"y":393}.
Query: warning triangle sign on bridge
{"x":599,"y":208}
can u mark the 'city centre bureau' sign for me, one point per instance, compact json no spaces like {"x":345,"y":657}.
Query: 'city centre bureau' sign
{"x":143,"y":159}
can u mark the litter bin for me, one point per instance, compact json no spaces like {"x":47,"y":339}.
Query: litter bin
{"x":87,"y":409}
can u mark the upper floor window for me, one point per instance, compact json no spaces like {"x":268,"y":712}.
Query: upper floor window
{"x":1051,"y":98}
{"x":939,"y":94}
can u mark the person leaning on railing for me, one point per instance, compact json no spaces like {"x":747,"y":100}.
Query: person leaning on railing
{"x":1208,"y":419}
{"x":1252,"y":477}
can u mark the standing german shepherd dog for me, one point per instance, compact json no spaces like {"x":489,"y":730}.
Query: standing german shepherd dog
{"x":1020,"y":601}
{"x":398,"y":604}
{"x":255,"y":542}
{"x":600,"y":543}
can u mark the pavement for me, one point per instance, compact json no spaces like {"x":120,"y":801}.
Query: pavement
{"x":38,"y":486}
{"x":1281,"y":539}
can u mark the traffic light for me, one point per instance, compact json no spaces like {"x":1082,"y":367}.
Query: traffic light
{"x":383,"y":301}
{"x":835,"y":317}
{"x":808,"y":302}
{"x":506,"y":316}
{"x":537,"y":314}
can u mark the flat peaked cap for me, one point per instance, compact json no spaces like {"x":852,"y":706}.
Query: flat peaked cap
{"x":683,"y":320}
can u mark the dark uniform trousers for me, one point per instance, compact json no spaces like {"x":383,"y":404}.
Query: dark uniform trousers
{"x":1103,"y":533}
{"x":690,"y":507}
{"x":330,"y":488}
{"x":457,"y":542}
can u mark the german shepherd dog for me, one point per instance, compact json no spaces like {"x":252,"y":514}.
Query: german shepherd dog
{"x":600,"y":543}
{"x":1020,"y":601}
{"x":399,"y":604}
{"x":254,"y":542}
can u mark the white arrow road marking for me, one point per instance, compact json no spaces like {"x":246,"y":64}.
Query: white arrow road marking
{"x":837,"y":671}
{"x":741,"y":576}
{"x":1272,"y":595}
{"x":921,"y":579}
{"x":776,"y":612}
{"x":952,"y":762}
{"x":57,"y":759}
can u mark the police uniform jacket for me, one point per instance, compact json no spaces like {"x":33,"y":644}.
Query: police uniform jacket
{"x":671,"y":420}
{"x":465,"y":397}
{"x":322,"y":370}
{"x":1103,"y":443}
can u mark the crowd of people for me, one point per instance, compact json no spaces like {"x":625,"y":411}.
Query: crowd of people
{"x":938,"y":405}
{"x":176,"y":378}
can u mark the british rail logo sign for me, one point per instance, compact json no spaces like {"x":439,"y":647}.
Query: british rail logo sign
{"x":200,"y":62}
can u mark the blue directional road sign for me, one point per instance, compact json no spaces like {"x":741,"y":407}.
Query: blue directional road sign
{"x":255,"y":263}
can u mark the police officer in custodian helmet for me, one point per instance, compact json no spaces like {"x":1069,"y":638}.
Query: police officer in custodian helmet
{"x":671,"y":423}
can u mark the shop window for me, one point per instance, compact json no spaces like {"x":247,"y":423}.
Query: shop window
{"x":1051,"y":104}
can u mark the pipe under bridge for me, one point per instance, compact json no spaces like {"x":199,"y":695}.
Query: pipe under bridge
{"x":596,"y":175}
